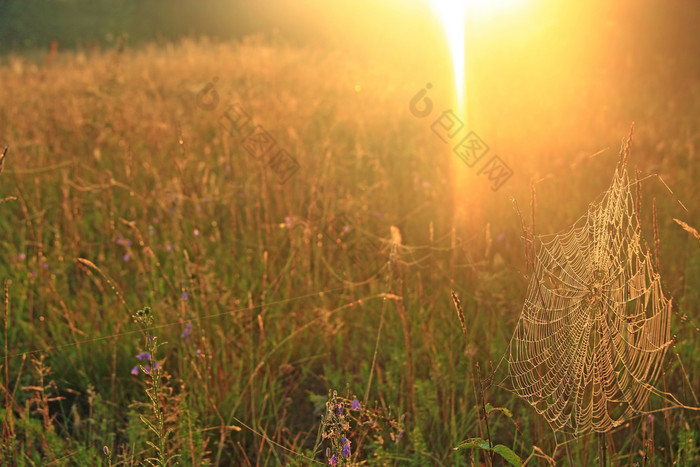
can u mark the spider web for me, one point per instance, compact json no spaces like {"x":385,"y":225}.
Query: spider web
{"x":595,"y":326}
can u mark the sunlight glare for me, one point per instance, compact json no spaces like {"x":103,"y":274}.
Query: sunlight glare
{"x":452,"y":15}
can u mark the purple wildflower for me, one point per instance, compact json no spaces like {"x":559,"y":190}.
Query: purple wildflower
{"x":339,"y":409}
{"x":355,"y":405}
{"x":333,"y":460}
{"x":199,"y":352}
{"x":168,"y":247}
{"x":126,"y":257}
{"x":135,"y":370}
{"x":123,"y":241}
{"x":22,"y":256}
{"x":185,"y":296}
{"x":144,"y":356}
{"x":186,"y":333}
{"x":346,"y":450}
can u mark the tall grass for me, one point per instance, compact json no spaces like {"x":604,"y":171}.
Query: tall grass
{"x":265,"y":295}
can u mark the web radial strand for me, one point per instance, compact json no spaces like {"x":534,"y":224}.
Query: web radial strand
{"x":595,"y":326}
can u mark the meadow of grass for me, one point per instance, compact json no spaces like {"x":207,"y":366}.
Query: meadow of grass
{"x":134,"y":224}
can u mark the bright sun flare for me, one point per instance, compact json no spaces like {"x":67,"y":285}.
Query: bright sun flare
{"x":452,"y":14}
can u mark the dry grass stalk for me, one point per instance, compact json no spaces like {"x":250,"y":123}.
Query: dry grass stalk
{"x":460,"y":313}
{"x":8,"y":431}
{"x":528,"y":238}
{"x":396,"y":241}
{"x":688,"y":228}
{"x":533,"y":204}
{"x":638,"y":199}
{"x":657,"y":239}
{"x":2,"y":160}
{"x":625,"y":152}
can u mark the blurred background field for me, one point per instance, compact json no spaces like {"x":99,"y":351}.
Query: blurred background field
{"x":270,"y":295}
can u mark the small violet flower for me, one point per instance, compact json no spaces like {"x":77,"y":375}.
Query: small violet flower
{"x":144,"y":356}
{"x":135,"y":370}
{"x":185,"y":296}
{"x":333,"y":460}
{"x":123,"y":241}
{"x":355,"y":405}
{"x":186,"y":333}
